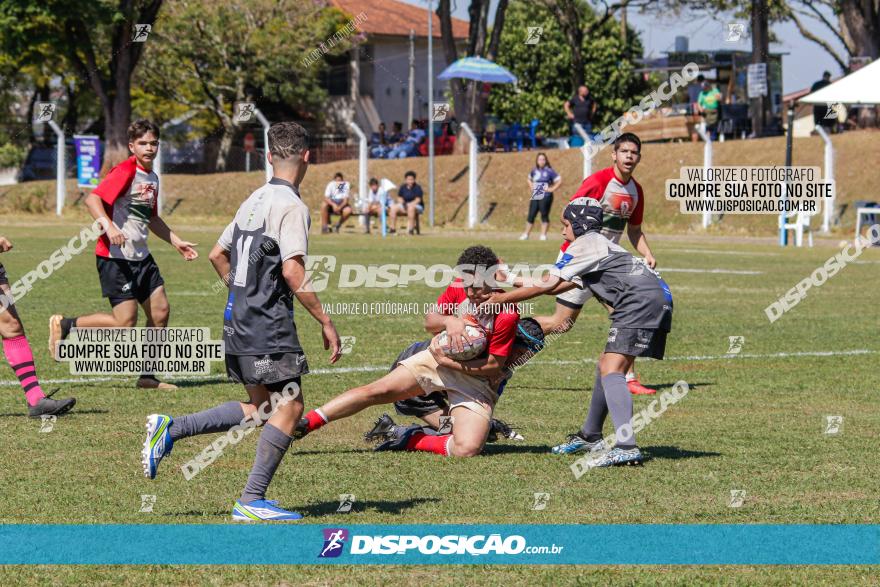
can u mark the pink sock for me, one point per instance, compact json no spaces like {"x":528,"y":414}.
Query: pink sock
{"x":435,"y":444}
{"x":21,"y":359}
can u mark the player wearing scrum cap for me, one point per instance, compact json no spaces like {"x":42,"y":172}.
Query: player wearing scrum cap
{"x":471,"y":386}
{"x":623,"y":203}
{"x":641,"y":319}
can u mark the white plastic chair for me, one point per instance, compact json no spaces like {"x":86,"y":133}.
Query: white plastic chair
{"x":800,"y":224}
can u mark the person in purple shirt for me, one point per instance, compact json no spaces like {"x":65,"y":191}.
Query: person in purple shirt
{"x":409,"y":202}
{"x":543,"y":181}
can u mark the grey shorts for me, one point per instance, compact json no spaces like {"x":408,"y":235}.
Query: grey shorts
{"x":637,"y":342}
{"x":270,"y":370}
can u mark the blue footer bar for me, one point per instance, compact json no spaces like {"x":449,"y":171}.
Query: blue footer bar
{"x":296,"y":544}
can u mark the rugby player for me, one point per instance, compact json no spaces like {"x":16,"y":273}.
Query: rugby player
{"x":640,"y":322}
{"x":623,"y":202}
{"x":126,"y":203}
{"x":431,"y":407}
{"x":18,"y":353}
{"x":471,"y":387}
{"x":261,"y":255}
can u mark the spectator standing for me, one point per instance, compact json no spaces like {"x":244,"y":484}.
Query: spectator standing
{"x":543,"y":181}
{"x":709,"y":107}
{"x":821,"y":111}
{"x":581,"y":109}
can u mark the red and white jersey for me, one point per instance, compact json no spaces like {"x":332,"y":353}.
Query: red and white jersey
{"x":130,"y":194}
{"x":622,"y":203}
{"x":500,"y":327}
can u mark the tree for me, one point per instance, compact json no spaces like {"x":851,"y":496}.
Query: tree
{"x":469,"y":100}
{"x":208,"y":55}
{"x":854,"y":23}
{"x":544,"y":69}
{"x":96,"y":37}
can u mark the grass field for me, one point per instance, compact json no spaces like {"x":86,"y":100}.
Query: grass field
{"x":752,"y":422}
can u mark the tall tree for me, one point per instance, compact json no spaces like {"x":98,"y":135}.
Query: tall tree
{"x":208,"y":55}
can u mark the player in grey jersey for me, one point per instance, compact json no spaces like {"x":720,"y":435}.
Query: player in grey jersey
{"x":640,"y":321}
{"x":261,"y":255}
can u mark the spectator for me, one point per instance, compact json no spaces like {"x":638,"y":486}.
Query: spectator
{"x":396,"y":133}
{"x":336,"y":201}
{"x":709,"y":107}
{"x":581,"y":109}
{"x":379,"y":143}
{"x":823,"y":115}
{"x":375,"y":200}
{"x":543,"y":181}
{"x":409,"y":202}
{"x":410,"y":145}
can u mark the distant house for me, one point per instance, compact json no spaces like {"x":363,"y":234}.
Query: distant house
{"x":370,"y":84}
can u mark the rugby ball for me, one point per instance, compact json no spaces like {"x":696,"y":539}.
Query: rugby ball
{"x":479,"y":343}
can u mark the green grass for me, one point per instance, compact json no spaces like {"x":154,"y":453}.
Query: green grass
{"x":752,"y":422}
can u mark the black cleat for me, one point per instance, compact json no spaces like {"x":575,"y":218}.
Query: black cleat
{"x":382,"y":429}
{"x":400,"y":436}
{"x":51,"y":407}
{"x":500,"y":429}
{"x":301,"y":429}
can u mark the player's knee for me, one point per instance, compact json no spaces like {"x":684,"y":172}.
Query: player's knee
{"x":374,"y":393}
{"x":466,"y":448}
{"x":126,"y":321}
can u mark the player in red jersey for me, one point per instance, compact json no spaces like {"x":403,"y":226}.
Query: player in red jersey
{"x":126,"y":202}
{"x":471,"y":387}
{"x":623,"y":203}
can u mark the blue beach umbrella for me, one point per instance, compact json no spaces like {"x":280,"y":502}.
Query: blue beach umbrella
{"x":478,"y":69}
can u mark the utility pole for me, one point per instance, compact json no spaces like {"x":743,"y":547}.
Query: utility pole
{"x":760,"y":54}
{"x":412,"y":75}
{"x":431,"y":112}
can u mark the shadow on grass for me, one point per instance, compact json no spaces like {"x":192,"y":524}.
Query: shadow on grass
{"x":326,"y":508}
{"x":511,"y":448}
{"x":674,"y":453}
{"x":74,"y":412}
{"x":659,"y":386}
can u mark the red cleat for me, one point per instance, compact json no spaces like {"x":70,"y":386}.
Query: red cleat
{"x":636,"y":388}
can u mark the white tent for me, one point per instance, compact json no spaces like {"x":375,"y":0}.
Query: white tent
{"x":860,"y":87}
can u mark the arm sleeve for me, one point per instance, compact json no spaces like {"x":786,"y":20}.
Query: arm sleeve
{"x":590,"y":188}
{"x":504,"y":334}
{"x":580,"y":258}
{"x":635,"y":218}
{"x":451,"y":297}
{"x":328,"y":191}
{"x":293,"y":233}
{"x":418,"y":192}
{"x":114,"y":185}
{"x":225,"y":240}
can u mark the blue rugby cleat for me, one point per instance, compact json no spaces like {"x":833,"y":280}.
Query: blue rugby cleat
{"x":576,"y":444}
{"x":262,"y":510}
{"x":158,"y":443}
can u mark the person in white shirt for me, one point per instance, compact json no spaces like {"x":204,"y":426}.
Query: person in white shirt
{"x":336,"y":201}
{"x":374,"y":201}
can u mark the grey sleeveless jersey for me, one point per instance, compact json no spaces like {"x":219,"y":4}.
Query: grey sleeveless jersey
{"x":270,"y":227}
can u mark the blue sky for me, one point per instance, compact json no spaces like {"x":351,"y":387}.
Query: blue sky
{"x":801,"y":67}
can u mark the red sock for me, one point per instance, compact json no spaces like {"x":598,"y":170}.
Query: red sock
{"x":435,"y":444}
{"x":316,"y":419}
{"x":21,"y":359}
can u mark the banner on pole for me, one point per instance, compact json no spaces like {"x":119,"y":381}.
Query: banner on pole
{"x":88,"y":160}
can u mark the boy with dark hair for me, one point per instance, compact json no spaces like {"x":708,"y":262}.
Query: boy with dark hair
{"x":623,"y":203}
{"x":126,"y":203}
{"x":641,"y":320}
{"x":409,"y":202}
{"x":471,"y":387}
{"x":336,"y":201}
{"x":18,"y":352}
{"x":263,"y":351}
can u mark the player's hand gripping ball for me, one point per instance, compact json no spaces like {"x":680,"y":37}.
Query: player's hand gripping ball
{"x":479,"y":343}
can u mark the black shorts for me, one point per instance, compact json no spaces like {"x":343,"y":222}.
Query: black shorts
{"x":4,"y":279}
{"x":123,"y":280}
{"x":637,"y":342}
{"x":421,"y":405}
{"x":543,"y":206}
{"x":273,"y":370}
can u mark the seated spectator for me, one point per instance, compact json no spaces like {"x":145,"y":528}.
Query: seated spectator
{"x":409,"y":146}
{"x":379,"y":143}
{"x":409,"y":202}
{"x":336,"y":201}
{"x":373,"y":203}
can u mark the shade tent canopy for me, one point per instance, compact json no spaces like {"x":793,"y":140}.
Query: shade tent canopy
{"x":860,"y":87}
{"x":478,"y":69}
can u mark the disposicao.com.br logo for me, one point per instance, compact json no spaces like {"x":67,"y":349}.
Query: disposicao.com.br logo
{"x":452,"y":544}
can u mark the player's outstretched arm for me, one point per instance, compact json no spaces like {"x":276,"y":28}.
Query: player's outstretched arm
{"x":640,"y":242}
{"x":95,"y":206}
{"x":551,"y":285}
{"x":294,"y":272}
{"x":163,"y":231}
{"x":219,"y":258}
{"x":490,"y":366}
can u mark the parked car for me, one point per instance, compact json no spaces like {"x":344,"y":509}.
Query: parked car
{"x":40,"y":163}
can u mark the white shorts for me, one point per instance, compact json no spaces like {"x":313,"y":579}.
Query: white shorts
{"x":473,"y":393}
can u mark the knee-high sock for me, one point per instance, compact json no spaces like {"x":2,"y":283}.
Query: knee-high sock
{"x":217,"y":419}
{"x":429,"y":443}
{"x":592,"y":428}
{"x":620,"y":404}
{"x":271,"y":447}
{"x":21,"y":359}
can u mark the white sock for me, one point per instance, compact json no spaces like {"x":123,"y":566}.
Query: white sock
{"x":631,"y":376}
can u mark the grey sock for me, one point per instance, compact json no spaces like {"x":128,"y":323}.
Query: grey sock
{"x":217,"y":419}
{"x":620,"y":404}
{"x":592,"y":428}
{"x":271,"y":447}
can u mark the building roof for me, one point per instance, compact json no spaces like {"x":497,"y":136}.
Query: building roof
{"x":390,"y":17}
